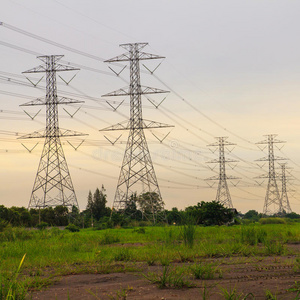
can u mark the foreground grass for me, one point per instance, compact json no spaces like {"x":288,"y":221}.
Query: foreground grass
{"x":50,"y":253}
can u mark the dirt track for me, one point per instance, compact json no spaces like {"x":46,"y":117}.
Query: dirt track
{"x":248,"y":275}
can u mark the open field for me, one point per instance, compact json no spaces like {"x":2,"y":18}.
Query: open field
{"x":261,"y":261}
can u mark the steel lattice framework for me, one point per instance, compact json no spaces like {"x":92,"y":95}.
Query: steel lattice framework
{"x":53,"y":185}
{"x":273,"y":204}
{"x":137,"y":175}
{"x":285,"y":203}
{"x":223,"y":194}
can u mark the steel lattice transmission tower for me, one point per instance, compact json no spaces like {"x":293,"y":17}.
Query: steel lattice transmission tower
{"x":137,"y":175}
{"x":53,"y":185}
{"x":284,"y":197}
{"x":223,"y":194}
{"x":273,"y":204}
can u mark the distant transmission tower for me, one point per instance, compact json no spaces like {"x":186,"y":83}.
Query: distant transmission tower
{"x":137,"y":174}
{"x":273,"y":203}
{"x":53,"y":185}
{"x":223,"y":195}
{"x":284,"y":197}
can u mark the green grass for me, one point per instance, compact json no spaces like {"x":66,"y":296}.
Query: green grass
{"x":205,"y":271}
{"x":59,"y":252}
{"x":170,"y":277}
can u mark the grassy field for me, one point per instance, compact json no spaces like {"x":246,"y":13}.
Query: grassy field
{"x":54,"y":252}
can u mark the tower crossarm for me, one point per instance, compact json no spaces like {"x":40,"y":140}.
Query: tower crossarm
{"x":43,"y":134}
{"x":274,"y":158}
{"x":126,"y":91}
{"x":34,"y":102}
{"x":139,"y":55}
{"x":217,"y":161}
{"x":62,"y":100}
{"x":217,"y":177}
{"x":146,"y":124}
{"x":54,"y":67}
{"x":270,"y":137}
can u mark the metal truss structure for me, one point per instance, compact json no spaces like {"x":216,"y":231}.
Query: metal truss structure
{"x":137,"y":175}
{"x":223,"y":194}
{"x":273,"y":203}
{"x":285,"y":204}
{"x":53,"y":185}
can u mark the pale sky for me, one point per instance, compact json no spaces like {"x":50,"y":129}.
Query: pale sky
{"x":232,"y":68}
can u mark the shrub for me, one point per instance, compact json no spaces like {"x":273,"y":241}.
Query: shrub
{"x":3,"y":225}
{"x":72,"y":228}
{"x":42,"y":226}
{"x":265,"y":221}
{"x":140,"y":230}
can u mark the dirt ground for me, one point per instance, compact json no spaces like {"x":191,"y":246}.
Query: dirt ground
{"x":247,"y":275}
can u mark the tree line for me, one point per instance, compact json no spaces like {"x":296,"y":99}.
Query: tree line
{"x":99,"y":216}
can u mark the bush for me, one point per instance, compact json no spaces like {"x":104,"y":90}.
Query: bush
{"x":3,"y":225}
{"x":139,"y":230}
{"x":265,"y":221}
{"x":42,"y":226}
{"x":72,"y":228}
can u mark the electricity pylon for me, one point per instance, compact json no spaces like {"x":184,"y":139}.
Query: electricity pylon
{"x":223,"y":194}
{"x":53,"y":185}
{"x":137,"y":175}
{"x":284,"y":197}
{"x":273,"y":204}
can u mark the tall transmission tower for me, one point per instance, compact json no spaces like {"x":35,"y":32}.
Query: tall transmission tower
{"x":53,"y":185}
{"x":273,"y":203}
{"x":137,"y":175}
{"x":223,"y":194}
{"x":284,"y":197}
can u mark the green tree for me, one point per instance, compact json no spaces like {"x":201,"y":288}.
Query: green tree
{"x":61,"y":215}
{"x":97,"y":204}
{"x":251,"y":215}
{"x":292,"y":215}
{"x":131,"y":210}
{"x":150,"y":205}
{"x":174,"y":216}
{"x":48,"y":215}
{"x":210,"y":213}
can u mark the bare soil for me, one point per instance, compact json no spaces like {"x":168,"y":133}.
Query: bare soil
{"x":247,"y":275}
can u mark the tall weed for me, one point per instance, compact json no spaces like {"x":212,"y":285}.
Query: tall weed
{"x":205,"y":271}
{"x":232,"y":294}
{"x":274,"y":247}
{"x":169,"y":277}
{"x":189,"y":232}
{"x":11,"y":287}
{"x":252,"y":235}
{"x":109,"y":238}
